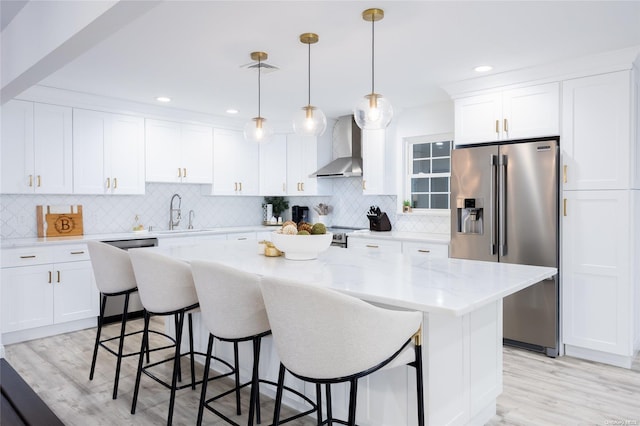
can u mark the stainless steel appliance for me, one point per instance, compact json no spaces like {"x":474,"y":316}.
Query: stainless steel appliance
{"x":504,"y":208}
{"x":300,"y":214}
{"x":113,"y":309}
{"x":339,"y":238}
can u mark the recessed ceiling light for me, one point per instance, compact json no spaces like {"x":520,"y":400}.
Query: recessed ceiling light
{"x":232,"y":111}
{"x":163,"y":99}
{"x":483,"y":68}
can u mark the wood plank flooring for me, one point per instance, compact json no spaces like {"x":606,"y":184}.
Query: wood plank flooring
{"x":537,"y":390}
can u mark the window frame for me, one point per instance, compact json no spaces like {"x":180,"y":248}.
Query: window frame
{"x":408,"y":168}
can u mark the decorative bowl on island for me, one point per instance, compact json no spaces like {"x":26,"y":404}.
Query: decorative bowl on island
{"x":301,"y":247}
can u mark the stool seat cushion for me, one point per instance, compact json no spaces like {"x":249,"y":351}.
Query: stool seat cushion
{"x":111,"y":268}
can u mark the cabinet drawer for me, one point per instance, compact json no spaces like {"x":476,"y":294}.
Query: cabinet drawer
{"x":387,"y":246}
{"x":26,"y":256}
{"x":426,"y":249}
{"x":71,"y":253}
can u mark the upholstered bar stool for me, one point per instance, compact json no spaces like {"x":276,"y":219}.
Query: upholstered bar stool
{"x":166,"y":288}
{"x":353,"y":341}
{"x":114,"y":277}
{"x":233,"y":311}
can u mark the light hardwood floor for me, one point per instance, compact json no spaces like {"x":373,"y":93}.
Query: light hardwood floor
{"x":537,"y":390}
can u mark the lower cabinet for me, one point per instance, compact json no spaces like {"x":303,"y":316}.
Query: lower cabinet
{"x":388,"y":245}
{"x":47,"y":286}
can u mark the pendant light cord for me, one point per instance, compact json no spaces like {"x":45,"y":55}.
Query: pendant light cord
{"x":373,"y":33}
{"x":259,"y":71}
{"x":309,"y":75}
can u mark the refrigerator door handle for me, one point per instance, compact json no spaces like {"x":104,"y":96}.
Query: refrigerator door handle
{"x":502,"y":205}
{"x":492,"y":197}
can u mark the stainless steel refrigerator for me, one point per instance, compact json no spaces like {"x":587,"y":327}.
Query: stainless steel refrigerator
{"x":504,"y":208}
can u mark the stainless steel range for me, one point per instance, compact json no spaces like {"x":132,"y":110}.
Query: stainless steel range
{"x":340,"y":235}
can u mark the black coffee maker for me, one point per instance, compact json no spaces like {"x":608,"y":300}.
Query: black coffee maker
{"x":300,"y":214}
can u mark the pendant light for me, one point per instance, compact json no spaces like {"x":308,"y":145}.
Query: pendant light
{"x":257,"y":130}
{"x":309,"y":121}
{"x":373,"y":111}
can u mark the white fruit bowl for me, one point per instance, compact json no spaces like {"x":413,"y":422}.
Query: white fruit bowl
{"x":301,"y":247}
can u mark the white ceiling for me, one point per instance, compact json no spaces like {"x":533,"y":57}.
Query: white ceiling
{"x":192,"y":51}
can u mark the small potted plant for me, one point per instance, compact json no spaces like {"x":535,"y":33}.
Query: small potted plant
{"x":406,"y":206}
{"x":279,"y":205}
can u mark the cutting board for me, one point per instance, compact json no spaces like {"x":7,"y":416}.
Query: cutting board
{"x":59,"y":221}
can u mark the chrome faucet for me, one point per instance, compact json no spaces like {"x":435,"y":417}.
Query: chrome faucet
{"x":192,"y":214}
{"x":175,"y":222}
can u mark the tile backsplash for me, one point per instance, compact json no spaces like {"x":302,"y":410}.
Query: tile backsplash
{"x":105,"y":214}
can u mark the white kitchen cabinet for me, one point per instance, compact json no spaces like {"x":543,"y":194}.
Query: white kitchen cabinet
{"x":302,"y":160}
{"x":598,"y":289}
{"x":108,"y":153}
{"x":596,"y":113}
{"x":520,"y":113}
{"x":236,"y":164}
{"x":375,"y":245}
{"x":178,"y":152}
{"x":378,"y":172}
{"x":47,"y":286}
{"x":273,"y":166}
{"x":427,"y":249}
{"x":36,"y":148}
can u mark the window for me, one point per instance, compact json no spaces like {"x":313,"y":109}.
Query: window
{"x":428,"y":171}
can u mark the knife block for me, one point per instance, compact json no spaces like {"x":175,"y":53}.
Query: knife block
{"x":379,"y":223}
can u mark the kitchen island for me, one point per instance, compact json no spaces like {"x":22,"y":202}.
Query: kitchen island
{"x":461,"y":301}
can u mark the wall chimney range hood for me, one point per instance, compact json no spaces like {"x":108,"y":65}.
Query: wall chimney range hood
{"x":347,"y":151}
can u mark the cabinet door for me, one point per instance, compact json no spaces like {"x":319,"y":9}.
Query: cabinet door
{"x":88,"y":152}
{"x":595,"y":131}
{"x":531,"y":112}
{"x":197,"y":154}
{"x":273,"y":166}
{"x":477,"y":118}
{"x":294,"y":166}
{"x":75,"y":294}
{"x":124,"y":154}
{"x":27,"y":297}
{"x":52,"y":141}
{"x":302,"y":160}
{"x":377,"y":170}
{"x":162,"y":151}
{"x":596,"y":286}
{"x":17,"y":147}
{"x":248,"y":166}
{"x":225,"y":177}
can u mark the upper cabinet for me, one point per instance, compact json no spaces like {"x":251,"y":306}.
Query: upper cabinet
{"x":177,"y":152}
{"x":521,"y":113}
{"x":377,"y":164}
{"x":36,"y":148}
{"x":273,"y":166}
{"x":302,"y":160}
{"x":596,"y":131}
{"x":236,"y":163}
{"x":108,"y":153}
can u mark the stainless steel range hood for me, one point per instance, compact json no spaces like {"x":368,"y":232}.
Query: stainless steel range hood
{"x":347,"y":150}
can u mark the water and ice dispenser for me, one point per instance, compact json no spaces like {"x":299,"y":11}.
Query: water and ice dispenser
{"x":470,"y":213}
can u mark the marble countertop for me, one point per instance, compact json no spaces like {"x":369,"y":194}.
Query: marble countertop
{"x":402,"y":236}
{"x":445,"y":286}
{"x":35,"y":241}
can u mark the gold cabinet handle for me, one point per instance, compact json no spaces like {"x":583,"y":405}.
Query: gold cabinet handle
{"x":30,"y":181}
{"x":179,"y":172}
{"x":505,"y":125}
{"x":31,"y":256}
{"x":77,"y":252}
{"x":108,"y":183}
{"x":564,"y":173}
{"x":241,"y":238}
{"x":184,"y":170}
{"x":564,"y":207}
{"x":284,"y":187}
{"x":372,"y":246}
{"x":49,"y":277}
{"x":497,"y":126}
{"x":39,"y":181}
{"x":240,"y":186}
{"x":115,"y":183}
{"x":302,"y":186}
{"x":364,"y":185}
{"x":58,"y":276}
{"x":235,"y":186}
{"x":424,"y":251}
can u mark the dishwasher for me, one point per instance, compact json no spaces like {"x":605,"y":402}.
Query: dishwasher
{"x":115,"y":304}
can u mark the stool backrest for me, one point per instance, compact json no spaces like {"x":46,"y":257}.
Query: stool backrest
{"x":230,"y":300}
{"x":320,"y":333}
{"x":111,"y":268}
{"x":165,"y":284}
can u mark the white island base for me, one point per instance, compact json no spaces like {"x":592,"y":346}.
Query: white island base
{"x":461,"y":301}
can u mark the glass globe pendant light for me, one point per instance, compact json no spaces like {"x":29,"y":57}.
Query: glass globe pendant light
{"x":309,"y":121}
{"x":257,"y":130}
{"x":373,"y":111}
